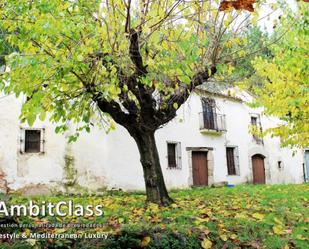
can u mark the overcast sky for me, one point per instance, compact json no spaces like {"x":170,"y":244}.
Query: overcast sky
{"x":268,"y":23}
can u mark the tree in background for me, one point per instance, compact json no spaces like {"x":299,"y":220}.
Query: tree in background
{"x":244,"y":74}
{"x":285,"y":86}
{"x":133,"y":63}
{"x":5,"y":48}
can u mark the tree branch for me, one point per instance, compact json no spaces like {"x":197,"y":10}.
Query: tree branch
{"x":135,"y":54}
{"x":128,"y":18}
{"x":167,"y":112}
{"x":114,"y":109}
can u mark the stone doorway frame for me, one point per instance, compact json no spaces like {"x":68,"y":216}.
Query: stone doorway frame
{"x":263,"y":153}
{"x":210,"y":164}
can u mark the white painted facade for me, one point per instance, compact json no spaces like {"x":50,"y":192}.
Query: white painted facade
{"x":112,"y":160}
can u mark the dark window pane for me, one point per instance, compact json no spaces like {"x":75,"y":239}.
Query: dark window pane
{"x":279,"y":164}
{"x":230,"y":161}
{"x":254,"y":121}
{"x":32,"y":140}
{"x":171,"y":154}
{"x":209,"y":112}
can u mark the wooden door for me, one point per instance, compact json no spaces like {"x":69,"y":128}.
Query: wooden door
{"x":200,"y":168}
{"x":258,"y":169}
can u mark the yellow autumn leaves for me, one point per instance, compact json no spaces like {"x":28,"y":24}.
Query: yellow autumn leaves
{"x":285,"y":80}
{"x":244,"y":216}
{"x":206,"y":244}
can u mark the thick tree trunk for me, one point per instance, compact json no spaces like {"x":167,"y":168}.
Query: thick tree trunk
{"x":155,"y":186}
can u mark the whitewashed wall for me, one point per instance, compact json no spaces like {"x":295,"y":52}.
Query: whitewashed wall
{"x":23,"y":169}
{"x":112,"y":160}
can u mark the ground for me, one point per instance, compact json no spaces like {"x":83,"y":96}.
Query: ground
{"x":244,"y":216}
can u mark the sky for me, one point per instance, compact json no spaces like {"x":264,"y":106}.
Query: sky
{"x":268,"y":23}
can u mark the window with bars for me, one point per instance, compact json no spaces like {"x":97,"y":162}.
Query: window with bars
{"x":173,"y":155}
{"x":32,"y":140}
{"x":209,"y":118}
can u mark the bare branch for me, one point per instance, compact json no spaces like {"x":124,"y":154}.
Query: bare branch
{"x":128,"y":18}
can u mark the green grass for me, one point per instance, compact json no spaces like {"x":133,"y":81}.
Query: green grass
{"x":245,"y":216}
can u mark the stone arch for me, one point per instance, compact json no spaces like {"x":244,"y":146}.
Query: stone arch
{"x":259,"y":151}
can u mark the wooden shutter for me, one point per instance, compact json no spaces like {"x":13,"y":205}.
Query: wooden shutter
{"x":179,"y":160}
{"x":32,"y":141}
{"x":230,"y":161}
{"x":171,"y":155}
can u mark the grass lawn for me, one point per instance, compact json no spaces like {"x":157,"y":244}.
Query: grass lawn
{"x":245,"y":216}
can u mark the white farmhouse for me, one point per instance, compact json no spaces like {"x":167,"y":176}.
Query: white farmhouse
{"x":207,"y":143}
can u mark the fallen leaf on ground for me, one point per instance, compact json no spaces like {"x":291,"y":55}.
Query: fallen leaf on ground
{"x":206,"y":244}
{"x":223,"y":237}
{"x":258,"y":216}
{"x":278,"y":230}
{"x":145,"y":242}
{"x":301,"y":237}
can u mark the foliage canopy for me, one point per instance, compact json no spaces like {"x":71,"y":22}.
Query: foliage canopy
{"x":73,"y":53}
{"x":285,"y":88}
{"x":134,"y":61}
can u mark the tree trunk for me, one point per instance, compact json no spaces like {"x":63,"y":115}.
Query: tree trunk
{"x":155,"y":186}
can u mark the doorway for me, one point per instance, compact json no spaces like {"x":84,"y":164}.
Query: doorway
{"x":258,"y":169}
{"x":200,"y":168}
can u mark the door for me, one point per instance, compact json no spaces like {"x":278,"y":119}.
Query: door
{"x":200,"y":168}
{"x":258,"y":169}
{"x":307,"y":165}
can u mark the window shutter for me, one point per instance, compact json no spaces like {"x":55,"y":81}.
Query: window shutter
{"x":179,"y":162}
{"x":236,"y":157}
{"x":230,"y":161}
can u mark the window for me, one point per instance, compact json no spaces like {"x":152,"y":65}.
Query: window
{"x":209,"y":113}
{"x":255,"y":122}
{"x":31,"y":141}
{"x":209,"y":118}
{"x":173,"y":155}
{"x":231,"y":170}
{"x":232,"y":160}
{"x":279,"y":164}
